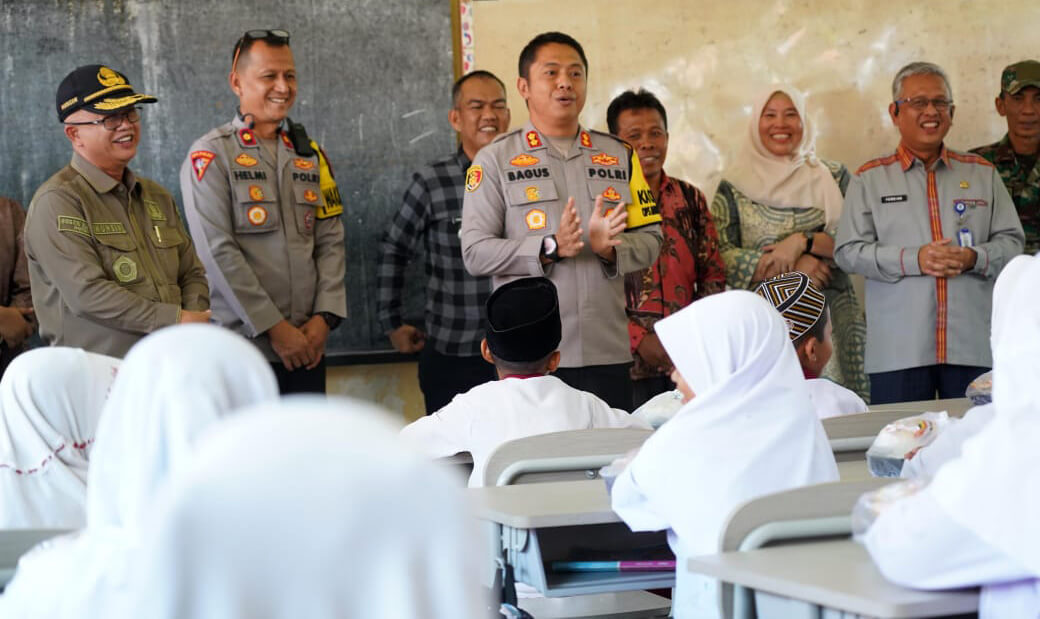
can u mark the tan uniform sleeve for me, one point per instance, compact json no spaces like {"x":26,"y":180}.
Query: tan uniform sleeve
{"x":71,"y":263}
{"x":485,"y":251}
{"x":640,"y":247}
{"x":330,"y":259}
{"x":207,"y":207}
{"x":191,"y":275}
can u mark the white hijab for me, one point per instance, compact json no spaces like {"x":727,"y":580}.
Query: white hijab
{"x":993,"y":489}
{"x":172,"y":386}
{"x":50,"y":401}
{"x":750,"y":430}
{"x":337,"y":519}
{"x":795,"y":181}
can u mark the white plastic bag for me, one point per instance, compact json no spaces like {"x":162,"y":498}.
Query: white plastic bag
{"x":901,"y":439}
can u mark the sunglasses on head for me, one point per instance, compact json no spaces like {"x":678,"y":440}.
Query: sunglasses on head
{"x":280,"y":37}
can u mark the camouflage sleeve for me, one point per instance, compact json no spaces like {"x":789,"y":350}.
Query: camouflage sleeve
{"x":59,"y":240}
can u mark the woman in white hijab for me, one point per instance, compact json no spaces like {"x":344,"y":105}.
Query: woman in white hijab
{"x":947,"y":446}
{"x":50,"y":400}
{"x":748,"y":429}
{"x":976,"y":522}
{"x":775,"y":198}
{"x":338,"y":519}
{"x":172,"y":385}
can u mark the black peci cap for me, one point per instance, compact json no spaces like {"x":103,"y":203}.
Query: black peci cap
{"x":524,"y":320}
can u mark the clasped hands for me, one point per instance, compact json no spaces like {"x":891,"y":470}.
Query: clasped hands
{"x":604,"y":229}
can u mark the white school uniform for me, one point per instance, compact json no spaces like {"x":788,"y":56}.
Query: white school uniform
{"x":310,"y":508}
{"x":947,"y":446}
{"x":172,"y":385}
{"x":988,"y":498}
{"x":830,"y":399}
{"x":750,"y":430}
{"x":488,"y":415}
{"x":50,"y":402}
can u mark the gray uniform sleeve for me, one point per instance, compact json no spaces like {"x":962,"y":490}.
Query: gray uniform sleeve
{"x":207,"y":207}
{"x":856,"y":246}
{"x":70,"y":261}
{"x":638,"y":249}
{"x":191,"y":276}
{"x":485,"y":251}
{"x":1006,"y":238}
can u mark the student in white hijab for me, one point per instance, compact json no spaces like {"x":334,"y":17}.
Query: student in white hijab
{"x":171,"y":387}
{"x":50,"y":401}
{"x":748,"y":429}
{"x":342,"y":520}
{"x":947,"y":446}
{"x":976,"y":522}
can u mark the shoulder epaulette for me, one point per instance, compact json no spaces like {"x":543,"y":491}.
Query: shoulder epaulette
{"x":505,"y":135}
{"x":880,"y":161}
{"x":969,"y":158}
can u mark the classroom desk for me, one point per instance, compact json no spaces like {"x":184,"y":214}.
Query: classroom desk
{"x":837,"y":575}
{"x":955,"y":406}
{"x":546,"y":522}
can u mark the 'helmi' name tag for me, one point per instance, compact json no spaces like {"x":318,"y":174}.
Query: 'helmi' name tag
{"x":891,"y":199}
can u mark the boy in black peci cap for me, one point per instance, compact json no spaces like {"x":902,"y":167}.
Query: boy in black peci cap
{"x":522,"y":340}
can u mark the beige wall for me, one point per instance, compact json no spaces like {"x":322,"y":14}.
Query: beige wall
{"x":705,"y":59}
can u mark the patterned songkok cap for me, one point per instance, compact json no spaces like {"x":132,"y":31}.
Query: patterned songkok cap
{"x":798,"y":301}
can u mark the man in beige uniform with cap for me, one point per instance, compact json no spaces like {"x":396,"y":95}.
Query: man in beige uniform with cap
{"x":109,"y":259}
{"x":547,"y":200}
{"x":265,"y":213}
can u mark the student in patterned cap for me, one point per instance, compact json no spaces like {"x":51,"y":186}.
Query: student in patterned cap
{"x":805,"y":310}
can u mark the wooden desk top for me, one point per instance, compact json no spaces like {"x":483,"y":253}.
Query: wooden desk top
{"x":832,"y":574}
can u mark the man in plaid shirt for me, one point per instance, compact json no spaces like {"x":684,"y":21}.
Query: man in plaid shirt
{"x":431,"y":214}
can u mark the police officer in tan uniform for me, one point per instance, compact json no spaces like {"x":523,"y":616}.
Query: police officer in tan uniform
{"x":109,"y":258}
{"x":556,"y":199}
{"x":264,"y":211}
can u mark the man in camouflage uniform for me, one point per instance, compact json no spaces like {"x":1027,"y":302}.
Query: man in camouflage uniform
{"x":1015,"y":155}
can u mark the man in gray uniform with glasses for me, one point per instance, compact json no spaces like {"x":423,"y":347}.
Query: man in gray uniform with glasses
{"x":929,"y":228}
{"x":109,"y":258}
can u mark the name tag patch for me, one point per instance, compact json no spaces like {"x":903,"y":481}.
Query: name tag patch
{"x":893,"y":198}
{"x":520,"y":175}
{"x":73,"y":224}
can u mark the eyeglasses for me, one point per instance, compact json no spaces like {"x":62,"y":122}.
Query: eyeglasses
{"x":114,"y":121}
{"x":921,"y":104}
{"x":278,"y":37}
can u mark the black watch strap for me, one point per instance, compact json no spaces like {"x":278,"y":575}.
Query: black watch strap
{"x":330,"y":319}
{"x":809,"y":237}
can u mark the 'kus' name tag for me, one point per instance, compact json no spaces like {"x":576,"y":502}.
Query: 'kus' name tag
{"x":894,"y":198}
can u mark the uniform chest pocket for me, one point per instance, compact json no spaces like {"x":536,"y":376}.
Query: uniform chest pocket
{"x":531,"y":192}
{"x":612,"y":191}
{"x":307,"y":197}
{"x":118,"y":253}
{"x":256,"y":208}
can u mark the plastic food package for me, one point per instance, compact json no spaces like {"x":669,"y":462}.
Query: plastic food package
{"x":660,"y":408}
{"x":870,"y":505}
{"x":980,"y":390}
{"x":902,"y":438}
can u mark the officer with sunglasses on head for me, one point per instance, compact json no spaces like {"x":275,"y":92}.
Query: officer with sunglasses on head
{"x":109,"y":258}
{"x":264,"y":210}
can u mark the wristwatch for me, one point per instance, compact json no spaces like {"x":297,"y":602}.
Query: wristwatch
{"x":550,"y":248}
{"x":808,"y":241}
{"x":330,"y":319}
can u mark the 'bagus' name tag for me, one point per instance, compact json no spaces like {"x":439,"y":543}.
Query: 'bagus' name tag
{"x":894,"y":198}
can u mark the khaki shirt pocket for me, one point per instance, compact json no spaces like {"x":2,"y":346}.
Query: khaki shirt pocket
{"x":613,"y":192}
{"x":167,"y":241}
{"x":533,"y":207}
{"x":256,"y":207}
{"x":307,"y":198}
